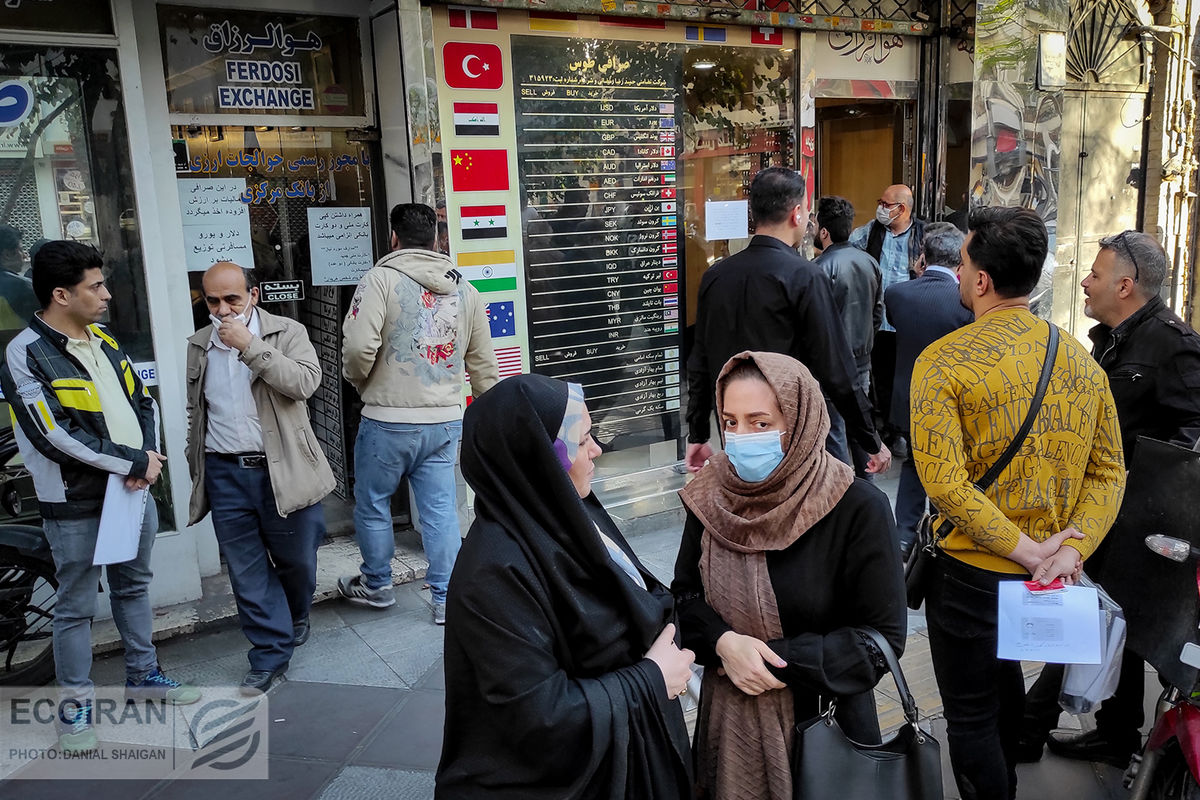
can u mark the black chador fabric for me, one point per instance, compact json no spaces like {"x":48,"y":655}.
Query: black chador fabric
{"x":548,"y":693}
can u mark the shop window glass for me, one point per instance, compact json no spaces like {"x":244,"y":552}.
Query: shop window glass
{"x":280,"y":190}
{"x":65,"y":173}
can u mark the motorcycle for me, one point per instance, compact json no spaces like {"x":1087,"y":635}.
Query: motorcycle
{"x":28,"y":588}
{"x":1168,"y":768}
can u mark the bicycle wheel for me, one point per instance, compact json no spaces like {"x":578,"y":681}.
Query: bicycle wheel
{"x":28,"y":590}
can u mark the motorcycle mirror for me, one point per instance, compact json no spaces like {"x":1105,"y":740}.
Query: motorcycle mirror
{"x":1169,"y":546}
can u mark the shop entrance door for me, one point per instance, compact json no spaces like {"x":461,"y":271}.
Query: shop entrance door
{"x":1098,"y":196}
{"x":298,"y":183}
{"x":859,"y":149}
{"x":1101,"y":178}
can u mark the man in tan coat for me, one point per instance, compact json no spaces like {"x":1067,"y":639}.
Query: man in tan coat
{"x":414,"y":325}
{"x":256,"y":464}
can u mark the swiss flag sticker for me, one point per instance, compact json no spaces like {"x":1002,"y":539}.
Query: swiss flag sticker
{"x":472,"y":65}
{"x":766,"y":36}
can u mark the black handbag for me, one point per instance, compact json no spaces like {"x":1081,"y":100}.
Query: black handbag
{"x":826,"y":765}
{"x":918,"y":567}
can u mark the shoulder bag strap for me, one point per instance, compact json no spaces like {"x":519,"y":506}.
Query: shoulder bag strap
{"x":1015,"y":445}
{"x":906,"y":699}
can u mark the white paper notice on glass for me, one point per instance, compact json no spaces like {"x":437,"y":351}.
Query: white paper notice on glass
{"x":1058,"y":627}
{"x":726,"y":219}
{"x":120,"y":522}
{"x":216,"y":222}
{"x":340,"y":242}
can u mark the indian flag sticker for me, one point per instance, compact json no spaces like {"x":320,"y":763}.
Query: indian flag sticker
{"x":491,"y":271}
{"x":483,"y":222}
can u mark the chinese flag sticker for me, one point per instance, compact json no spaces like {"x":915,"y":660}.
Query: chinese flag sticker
{"x":479,"y":170}
{"x":472,"y":65}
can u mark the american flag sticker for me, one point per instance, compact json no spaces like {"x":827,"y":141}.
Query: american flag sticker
{"x":476,"y":119}
{"x":509,"y":359}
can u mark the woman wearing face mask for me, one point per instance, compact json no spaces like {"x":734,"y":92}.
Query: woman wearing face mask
{"x":784,"y":555}
{"x":562,"y":672}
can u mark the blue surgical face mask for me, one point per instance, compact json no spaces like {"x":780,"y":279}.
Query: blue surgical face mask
{"x":754,"y":455}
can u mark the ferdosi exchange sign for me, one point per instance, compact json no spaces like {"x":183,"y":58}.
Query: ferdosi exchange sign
{"x":224,"y":61}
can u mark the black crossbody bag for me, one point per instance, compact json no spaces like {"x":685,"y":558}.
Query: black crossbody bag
{"x":918,"y":569}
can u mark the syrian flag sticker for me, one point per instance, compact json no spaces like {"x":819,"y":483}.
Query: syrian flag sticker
{"x":484,"y":222}
{"x":476,"y":119}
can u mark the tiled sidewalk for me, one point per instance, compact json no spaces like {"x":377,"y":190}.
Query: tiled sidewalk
{"x":361,"y":713}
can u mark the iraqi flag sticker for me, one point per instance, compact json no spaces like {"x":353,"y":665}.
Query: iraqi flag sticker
{"x":476,"y":119}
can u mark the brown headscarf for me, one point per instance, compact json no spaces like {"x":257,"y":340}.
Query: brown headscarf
{"x":745,"y":741}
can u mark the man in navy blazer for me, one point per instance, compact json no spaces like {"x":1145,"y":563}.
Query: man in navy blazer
{"x":922,"y":311}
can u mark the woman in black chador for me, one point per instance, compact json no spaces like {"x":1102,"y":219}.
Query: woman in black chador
{"x":562,"y":671}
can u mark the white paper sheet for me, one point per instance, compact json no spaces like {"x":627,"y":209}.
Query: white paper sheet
{"x":726,"y":219}
{"x":1057,"y":627}
{"x":120,"y":522}
{"x":216,"y":223}
{"x":339,"y":241}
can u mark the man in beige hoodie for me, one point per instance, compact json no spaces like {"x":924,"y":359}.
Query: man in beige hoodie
{"x":413,"y":325}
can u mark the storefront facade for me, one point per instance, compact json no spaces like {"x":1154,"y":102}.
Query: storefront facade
{"x":591,"y":161}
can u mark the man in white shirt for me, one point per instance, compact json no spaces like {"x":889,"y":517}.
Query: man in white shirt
{"x":256,"y":464}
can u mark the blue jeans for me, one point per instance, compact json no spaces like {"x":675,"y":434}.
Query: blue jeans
{"x":73,"y":545}
{"x":838,"y":444}
{"x":272,"y":560}
{"x":384,"y":454}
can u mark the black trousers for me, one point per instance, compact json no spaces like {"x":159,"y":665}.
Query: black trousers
{"x":883,"y":376}
{"x":982,"y":695}
{"x":1119,"y":718}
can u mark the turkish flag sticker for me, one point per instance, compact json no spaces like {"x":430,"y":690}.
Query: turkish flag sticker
{"x":472,"y":65}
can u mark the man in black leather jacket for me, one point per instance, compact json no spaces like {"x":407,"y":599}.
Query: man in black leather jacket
{"x":768,"y":298}
{"x":1152,"y":359}
{"x":858,"y":295}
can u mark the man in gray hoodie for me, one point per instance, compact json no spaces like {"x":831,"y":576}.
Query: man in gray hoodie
{"x":413,"y":325}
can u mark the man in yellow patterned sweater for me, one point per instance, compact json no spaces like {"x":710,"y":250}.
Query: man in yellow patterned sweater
{"x":1043,"y":515}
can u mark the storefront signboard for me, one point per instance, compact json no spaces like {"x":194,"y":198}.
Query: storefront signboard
{"x":226,"y":61}
{"x":340,"y":242}
{"x":216,"y":223}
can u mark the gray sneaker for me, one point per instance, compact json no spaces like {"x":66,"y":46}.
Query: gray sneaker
{"x":356,"y":591}
{"x":439,"y":613}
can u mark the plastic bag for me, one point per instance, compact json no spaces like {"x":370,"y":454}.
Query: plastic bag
{"x":1085,"y":686}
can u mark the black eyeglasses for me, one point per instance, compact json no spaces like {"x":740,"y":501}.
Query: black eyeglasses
{"x":1120,"y":237}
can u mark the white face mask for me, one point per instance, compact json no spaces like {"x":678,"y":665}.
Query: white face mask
{"x":883,"y":216}
{"x":243,"y":317}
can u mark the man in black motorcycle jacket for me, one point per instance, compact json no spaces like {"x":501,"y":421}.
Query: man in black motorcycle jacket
{"x":82,"y":416}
